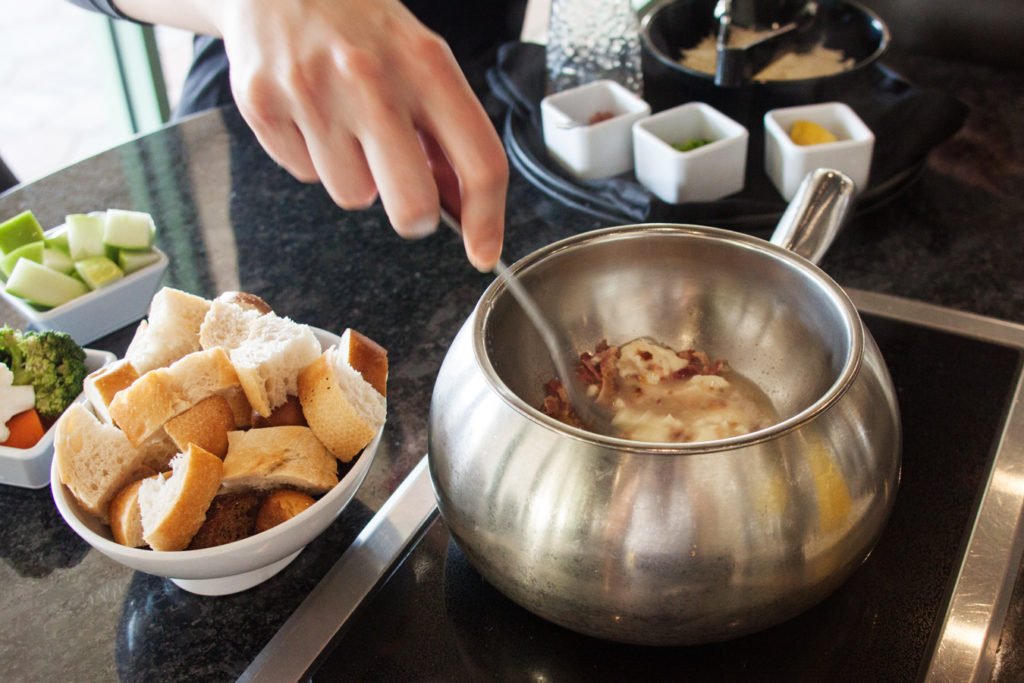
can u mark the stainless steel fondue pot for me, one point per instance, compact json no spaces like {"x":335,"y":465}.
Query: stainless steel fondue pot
{"x":658,"y":543}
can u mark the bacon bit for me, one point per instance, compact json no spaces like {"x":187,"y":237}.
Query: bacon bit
{"x":645,"y":355}
{"x":587,"y":370}
{"x":698,"y":363}
{"x":556,"y":404}
{"x":689,"y":371}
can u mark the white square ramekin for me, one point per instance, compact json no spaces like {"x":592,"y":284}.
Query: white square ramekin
{"x":707,"y":173}
{"x":788,"y":163}
{"x":592,"y":150}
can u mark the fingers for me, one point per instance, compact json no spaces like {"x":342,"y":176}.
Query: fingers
{"x":462,"y":144}
{"x":342,"y":168}
{"x":275,"y":130}
{"x":343,"y":93}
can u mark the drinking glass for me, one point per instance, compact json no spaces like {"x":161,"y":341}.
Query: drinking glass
{"x":590,"y":40}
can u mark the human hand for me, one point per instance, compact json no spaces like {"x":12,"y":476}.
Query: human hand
{"x":364,"y":98}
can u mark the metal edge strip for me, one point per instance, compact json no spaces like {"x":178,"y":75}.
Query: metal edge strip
{"x":972,"y":625}
{"x":939,"y":317}
{"x":309,"y":630}
{"x":965,"y":648}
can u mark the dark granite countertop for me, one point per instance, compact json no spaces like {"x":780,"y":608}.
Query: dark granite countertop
{"x":230,"y":219}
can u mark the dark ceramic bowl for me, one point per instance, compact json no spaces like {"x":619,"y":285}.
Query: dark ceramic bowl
{"x":676,"y":25}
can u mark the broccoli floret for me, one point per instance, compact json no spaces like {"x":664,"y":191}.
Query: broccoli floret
{"x":52,"y":362}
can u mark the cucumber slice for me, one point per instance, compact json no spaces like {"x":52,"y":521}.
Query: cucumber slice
{"x":22,"y":229}
{"x":128,"y":229}
{"x":38,"y":284}
{"x":32,"y":251}
{"x":130,"y":261}
{"x":58,"y":260}
{"x":85,"y":236}
{"x":57,"y":238}
{"x":98,"y":271}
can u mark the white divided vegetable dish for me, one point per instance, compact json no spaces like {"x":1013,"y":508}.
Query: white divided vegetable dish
{"x":30,"y":467}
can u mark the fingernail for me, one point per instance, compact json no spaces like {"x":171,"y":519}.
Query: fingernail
{"x":419,"y":229}
{"x":484,"y":256}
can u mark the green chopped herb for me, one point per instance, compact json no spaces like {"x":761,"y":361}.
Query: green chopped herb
{"x":691,"y":144}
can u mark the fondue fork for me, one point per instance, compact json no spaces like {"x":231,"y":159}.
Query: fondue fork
{"x":564,"y":357}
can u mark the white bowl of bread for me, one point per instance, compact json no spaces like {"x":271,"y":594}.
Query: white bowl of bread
{"x":224,"y":442}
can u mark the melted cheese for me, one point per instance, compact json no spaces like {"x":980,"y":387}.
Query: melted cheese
{"x":652,"y":403}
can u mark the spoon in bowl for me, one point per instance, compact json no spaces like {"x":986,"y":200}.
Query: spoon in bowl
{"x":595,"y":416}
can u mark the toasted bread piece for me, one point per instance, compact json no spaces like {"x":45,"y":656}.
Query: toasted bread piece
{"x":205,"y":424}
{"x":126,"y":516}
{"x":157,"y":396}
{"x":368,"y":357}
{"x":279,"y":506}
{"x":173,"y":508}
{"x":231,"y":517}
{"x":342,"y":408}
{"x":101,"y":385}
{"x":274,"y":457}
{"x":95,"y":460}
{"x":288,"y":413}
{"x":171,"y":330}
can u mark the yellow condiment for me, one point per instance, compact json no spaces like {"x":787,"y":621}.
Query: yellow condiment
{"x":810,"y":133}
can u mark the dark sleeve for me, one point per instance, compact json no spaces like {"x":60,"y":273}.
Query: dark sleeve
{"x":104,"y":6}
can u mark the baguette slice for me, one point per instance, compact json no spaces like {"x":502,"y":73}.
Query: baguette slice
{"x":240,"y":408}
{"x":171,"y":330}
{"x":157,"y":396}
{"x":174,"y":508}
{"x":95,"y":460}
{"x":273,"y":457}
{"x":368,"y":357}
{"x":206,"y":424}
{"x":342,"y":408}
{"x":226,"y":324}
{"x":101,"y":385}
{"x":269,"y":360}
{"x":267,"y":350}
{"x":126,"y":516}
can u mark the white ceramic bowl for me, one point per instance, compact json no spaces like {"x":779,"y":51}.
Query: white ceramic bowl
{"x":704,"y":174}
{"x":788,"y":163}
{"x":592,"y":150}
{"x":30,"y":467}
{"x":101,"y":311}
{"x":232,"y":567}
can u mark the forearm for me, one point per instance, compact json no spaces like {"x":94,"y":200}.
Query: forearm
{"x":197,"y":16}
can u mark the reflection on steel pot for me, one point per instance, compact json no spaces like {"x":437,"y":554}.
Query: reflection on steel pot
{"x":659,"y":543}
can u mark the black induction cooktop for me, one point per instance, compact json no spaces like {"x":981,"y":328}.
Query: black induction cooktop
{"x":928,"y":604}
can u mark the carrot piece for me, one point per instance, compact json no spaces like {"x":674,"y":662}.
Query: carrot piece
{"x":26,"y":429}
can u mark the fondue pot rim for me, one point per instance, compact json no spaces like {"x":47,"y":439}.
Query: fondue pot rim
{"x":836,"y":295}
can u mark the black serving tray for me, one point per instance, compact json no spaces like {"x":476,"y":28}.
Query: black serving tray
{"x":908,"y":122}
